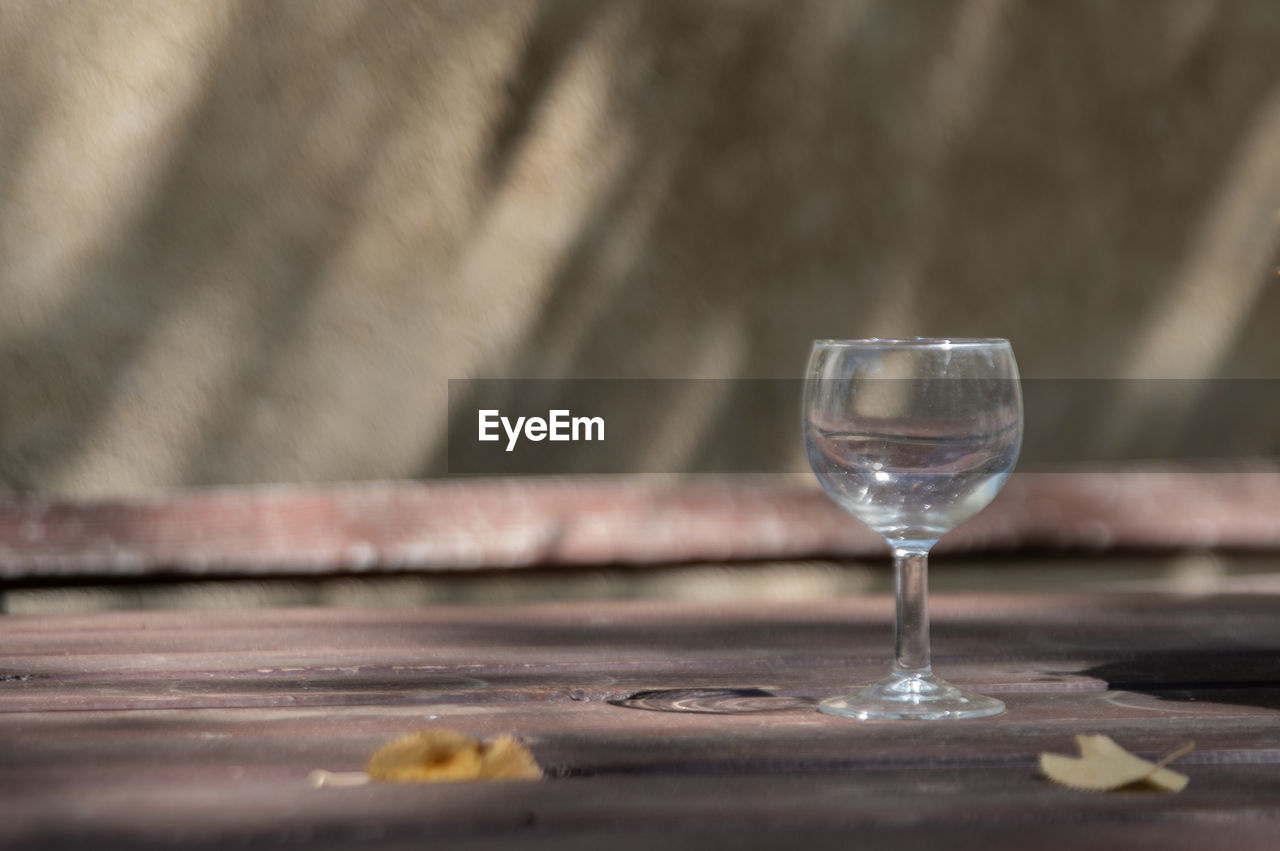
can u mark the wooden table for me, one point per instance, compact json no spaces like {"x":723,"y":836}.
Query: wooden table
{"x":193,"y":730}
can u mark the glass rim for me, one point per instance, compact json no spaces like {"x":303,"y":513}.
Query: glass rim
{"x":911,"y":342}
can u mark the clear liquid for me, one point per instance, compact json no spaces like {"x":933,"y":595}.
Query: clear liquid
{"x":912,"y":490}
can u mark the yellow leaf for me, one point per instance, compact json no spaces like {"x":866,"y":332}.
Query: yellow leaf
{"x":449,"y":756}
{"x":1103,"y":766}
{"x":507,"y":759}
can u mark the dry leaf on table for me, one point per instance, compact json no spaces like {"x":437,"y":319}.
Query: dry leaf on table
{"x":439,"y":756}
{"x":1104,"y":766}
{"x":447,"y":755}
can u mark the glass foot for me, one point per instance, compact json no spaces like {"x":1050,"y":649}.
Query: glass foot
{"x":924,"y":698}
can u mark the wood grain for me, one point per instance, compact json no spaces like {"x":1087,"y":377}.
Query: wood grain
{"x":185,"y":730}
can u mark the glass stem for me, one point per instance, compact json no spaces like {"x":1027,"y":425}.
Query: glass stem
{"x":911,"y":628}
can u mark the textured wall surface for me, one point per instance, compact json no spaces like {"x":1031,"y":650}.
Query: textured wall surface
{"x":251,"y":241}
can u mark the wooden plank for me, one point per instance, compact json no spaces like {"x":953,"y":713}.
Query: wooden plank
{"x":597,"y":738}
{"x":76,"y":753}
{"x":965,"y":626}
{"x":1006,"y":644}
{"x":224,"y":784}
{"x":465,"y":525}
{"x":1143,"y":617}
{"x":555,"y":654}
{"x":958,"y":806}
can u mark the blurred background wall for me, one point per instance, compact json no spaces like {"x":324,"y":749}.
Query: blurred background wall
{"x":251,"y":241}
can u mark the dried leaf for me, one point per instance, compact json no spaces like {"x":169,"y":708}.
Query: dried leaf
{"x":1104,"y":766}
{"x":506,"y":759}
{"x":449,"y":756}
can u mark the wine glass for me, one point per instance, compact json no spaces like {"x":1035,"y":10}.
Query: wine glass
{"x":912,"y":437}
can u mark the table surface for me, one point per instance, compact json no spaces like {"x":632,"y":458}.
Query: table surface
{"x":199,"y":729}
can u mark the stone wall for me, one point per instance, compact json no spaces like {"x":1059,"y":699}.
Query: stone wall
{"x":246,"y":241}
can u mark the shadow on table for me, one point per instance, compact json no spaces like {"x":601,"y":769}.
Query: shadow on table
{"x":1247,"y":677}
